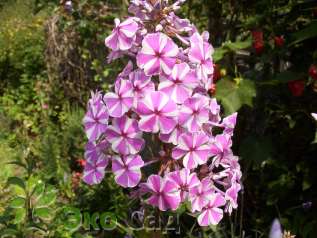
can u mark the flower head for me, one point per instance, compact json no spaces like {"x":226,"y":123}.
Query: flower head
{"x":96,"y":118}
{"x":94,"y":170}
{"x":158,"y":54}
{"x":157,"y":112}
{"x":194,"y":149}
{"x":121,"y":100}
{"x":180,"y":83}
{"x":125,"y":136}
{"x":127,"y":170}
{"x":220,"y":148}
{"x":164,"y":193}
{"x":194,"y":112}
{"x":200,"y":195}
{"x":200,"y":53}
{"x":211,"y":213}
{"x":184,"y":180}
{"x":123,"y":35}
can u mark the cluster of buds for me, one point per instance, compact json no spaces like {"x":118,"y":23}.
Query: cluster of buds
{"x":159,"y":128}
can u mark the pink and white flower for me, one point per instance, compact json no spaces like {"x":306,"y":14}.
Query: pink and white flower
{"x":123,"y":35}
{"x":200,"y":195}
{"x":141,"y":83}
{"x":158,"y":54}
{"x":94,"y":170}
{"x":127,"y":170}
{"x":211,"y":213}
{"x":232,"y":196}
{"x":165,"y":193}
{"x":184,"y":180}
{"x":93,"y":151}
{"x":194,"y":113}
{"x":157,"y":112}
{"x":193,"y":148}
{"x":121,"y":101}
{"x":125,"y":136}
{"x":180,"y":84}
{"x":229,"y":123}
{"x":200,"y":53}
{"x":174,"y":135}
{"x":96,"y":118}
{"x":220,"y":148}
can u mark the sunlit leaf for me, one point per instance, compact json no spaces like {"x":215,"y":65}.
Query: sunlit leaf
{"x":232,"y":96}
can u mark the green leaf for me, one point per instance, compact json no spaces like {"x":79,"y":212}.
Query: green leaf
{"x":239,"y":45}
{"x":43,"y":213}
{"x":38,"y":190}
{"x":309,"y":32}
{"x":232,"y":96}
{"x":16,"y":181}
{"x":8,"y":232}
{"x":46,"y":200}
{"x":17,"y":202}
{"x":230,"y":47}
{"x":20,"y":214}
{"x":219,"y":54}
{"x":31,"y":183}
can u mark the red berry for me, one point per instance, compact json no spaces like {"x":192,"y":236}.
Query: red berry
{"x":259,"y":47}
{"x":296,"y":87}
{"x":257,"y":35}
{"x":81,"y":162}
{"x":313,"y":71}
{"x":279,"y":41}
{"x":258,"y":43}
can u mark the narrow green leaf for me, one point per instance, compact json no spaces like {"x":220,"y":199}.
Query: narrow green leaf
{"x":307,"y":33}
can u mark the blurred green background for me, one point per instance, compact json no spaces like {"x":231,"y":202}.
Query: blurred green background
{"x":50,"y":59}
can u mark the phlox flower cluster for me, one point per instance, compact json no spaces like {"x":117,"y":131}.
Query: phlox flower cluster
{"x":159,"y":130}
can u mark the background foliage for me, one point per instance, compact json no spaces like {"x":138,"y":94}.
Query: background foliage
{"x":50,"y":59}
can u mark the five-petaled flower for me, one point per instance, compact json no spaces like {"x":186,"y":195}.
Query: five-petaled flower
{"x":200,"y":195}
{"x":124,"y":135}
{"x":123,"y":35}
{"x":96,"y":118}
{"x":158,"y":54}
{"x":184,"y":180}
{"x":157,"y":112}
{"x":127,"y":170}
{"x":194,"y":112}
{"x":211,"y":213}
{"x":180,"y":84}
{"x":121,"y":101}
{"x":193,"y":148}
{"x":220,"y":148}
{"x":200,"y":53}
{"x":164,"y":193}
{"x":94,"y":170}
